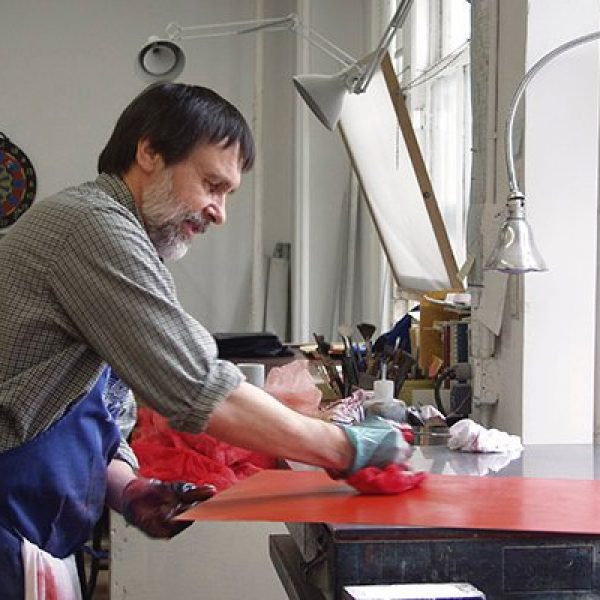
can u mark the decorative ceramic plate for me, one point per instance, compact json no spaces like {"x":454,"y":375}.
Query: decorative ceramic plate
{"x":17,"y":182}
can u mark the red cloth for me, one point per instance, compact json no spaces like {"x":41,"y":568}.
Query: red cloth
{"x":392,"y":479}
{"x":171,"y":455}
{"x":407,"y":433}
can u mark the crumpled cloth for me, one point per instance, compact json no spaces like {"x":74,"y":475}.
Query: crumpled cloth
{"x":468,"y":436}
{"x":481,"y":464}
{"x":393,"y":479}
{"x":48,"y":577}
{"x":199,"y":458}
{"x":430,"y":412}
{"x":349,"y":410}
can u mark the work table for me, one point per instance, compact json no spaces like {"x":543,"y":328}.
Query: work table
{"x":315,"y":561}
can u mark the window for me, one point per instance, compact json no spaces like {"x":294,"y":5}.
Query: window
{"x":431,"y":58}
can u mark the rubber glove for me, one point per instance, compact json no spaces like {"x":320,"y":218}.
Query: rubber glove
{"x":151,"y":504}
{"x":377,"y":443}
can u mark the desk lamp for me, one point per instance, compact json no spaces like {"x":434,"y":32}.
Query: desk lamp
{"x":515,"y":250}
{"x":325,"y":94}
{"x":163,"y":59}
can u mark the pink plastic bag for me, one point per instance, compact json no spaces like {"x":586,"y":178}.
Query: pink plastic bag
{"x":199,"y":458}
{"x":293,"y":386}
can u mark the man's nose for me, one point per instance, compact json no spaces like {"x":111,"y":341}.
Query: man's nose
{"x":219,"y":214}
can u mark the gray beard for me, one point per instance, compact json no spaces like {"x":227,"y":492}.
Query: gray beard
{"x":164,"y":215}
{"x":168,"y":242}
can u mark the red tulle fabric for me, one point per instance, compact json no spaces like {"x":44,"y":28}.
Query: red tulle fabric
{"x":171,"y":455}
{"x":393,"y":479}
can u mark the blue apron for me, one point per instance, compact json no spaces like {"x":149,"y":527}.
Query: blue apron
{"x":53,"y":488}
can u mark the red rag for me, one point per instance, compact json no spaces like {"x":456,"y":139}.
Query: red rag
{"x":393,"y":479}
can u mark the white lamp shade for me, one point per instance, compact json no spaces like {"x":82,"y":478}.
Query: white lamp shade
{"x":324,"y":95}
{"x":159,"y":60}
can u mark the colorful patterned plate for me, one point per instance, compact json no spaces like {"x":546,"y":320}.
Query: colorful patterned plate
{"x":17,"y":182}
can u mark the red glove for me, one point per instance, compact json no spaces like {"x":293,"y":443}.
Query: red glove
{"x":393,"y":479}
{"x":151,"y":504}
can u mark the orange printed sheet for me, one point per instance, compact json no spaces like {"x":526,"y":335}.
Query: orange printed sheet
{"x":443,"y":501}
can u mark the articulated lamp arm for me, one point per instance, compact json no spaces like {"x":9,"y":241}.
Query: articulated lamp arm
{"x":164,"y":59}
{"x":290,"y":22}
{"x":397,"y":21}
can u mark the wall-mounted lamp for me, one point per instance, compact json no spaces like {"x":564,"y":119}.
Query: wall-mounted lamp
{"x":163,"y":59}
{"x":159,"y":59}
{"x":515,"y":250}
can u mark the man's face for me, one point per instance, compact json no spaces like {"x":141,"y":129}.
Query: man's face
{"x":186,"y":198}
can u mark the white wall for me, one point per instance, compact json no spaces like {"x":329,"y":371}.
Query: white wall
{"x":212,"y":561}
{"x":543,"y":371}
{"x":70,"y":68}
{"x":561,"y":180}
{"x":498,"y":61}
{"x":326,"y":185}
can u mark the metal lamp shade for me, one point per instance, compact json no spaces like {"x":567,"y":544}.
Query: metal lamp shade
{"x":160,"y":60}
{"x":515,"y":250}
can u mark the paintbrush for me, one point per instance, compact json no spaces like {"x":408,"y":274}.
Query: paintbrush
{"x":367,"y":330}
{"x":403,"y":363}
{"x":323,"y":349}
{"x":352,"y":364}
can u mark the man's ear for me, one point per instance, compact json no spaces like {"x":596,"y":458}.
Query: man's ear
{"x":148,"y":159}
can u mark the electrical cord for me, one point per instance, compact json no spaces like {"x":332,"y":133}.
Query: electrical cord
{"x":459,"y":371}
{"x":445,"y":374}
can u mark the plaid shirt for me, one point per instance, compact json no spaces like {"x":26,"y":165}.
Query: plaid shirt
{"x":81,"y":285}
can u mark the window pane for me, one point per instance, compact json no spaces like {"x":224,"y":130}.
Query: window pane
{"x":436,"y":80}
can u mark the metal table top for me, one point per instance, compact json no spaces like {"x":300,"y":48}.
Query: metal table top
{"x":549,"y":461}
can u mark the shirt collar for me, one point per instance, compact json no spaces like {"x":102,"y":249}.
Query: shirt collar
{"x":116,"y":188}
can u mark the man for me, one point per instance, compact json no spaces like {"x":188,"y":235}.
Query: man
{"x":88,"y":310}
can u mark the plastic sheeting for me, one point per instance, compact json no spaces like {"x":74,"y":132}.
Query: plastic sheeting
{"x":199,"y":458}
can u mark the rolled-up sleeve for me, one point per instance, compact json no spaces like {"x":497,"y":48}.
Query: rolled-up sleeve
{"x":120,"y":299}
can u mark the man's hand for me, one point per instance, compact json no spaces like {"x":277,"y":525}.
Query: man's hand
{"x":151,"y":504}
{"x":377,"y":443}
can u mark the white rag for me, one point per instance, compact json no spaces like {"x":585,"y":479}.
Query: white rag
{"x":428,"y":412}
{"x":478,"y":463}
{"x":47,"y":576}
{"x":468,"y":436}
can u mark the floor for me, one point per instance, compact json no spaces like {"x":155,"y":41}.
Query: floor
{"x":100,"y":542}
{"x":102,"y":588}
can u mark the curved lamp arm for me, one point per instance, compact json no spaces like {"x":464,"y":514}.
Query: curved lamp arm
{"x":515,"y":251}
{"x":510,"y":163}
